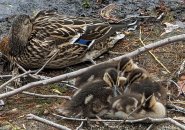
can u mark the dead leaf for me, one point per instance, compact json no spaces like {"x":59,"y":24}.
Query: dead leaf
{"x":56,"y":91}
{"x":181,"y":84}
{"x":106,"y":12}
{"x":170,"y":27}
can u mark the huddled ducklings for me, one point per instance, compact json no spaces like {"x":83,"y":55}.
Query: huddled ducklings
{"x":101,"y":90}
{"x":125,"y":65}
{"x":141,"y":96}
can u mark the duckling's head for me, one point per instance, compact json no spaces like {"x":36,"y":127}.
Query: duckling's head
{"x":19,"y":33}
{"x":136,"y":75}
{"x":126,"y":64}
{"x":127,"y":103}
{"x":111,"y":78}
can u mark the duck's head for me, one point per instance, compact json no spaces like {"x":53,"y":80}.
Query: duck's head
{"x":19,"y":34}
{"x":126,"y":65}
{"x":111,"y":77}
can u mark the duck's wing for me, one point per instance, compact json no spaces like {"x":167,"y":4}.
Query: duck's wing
{"x":61,"y":29}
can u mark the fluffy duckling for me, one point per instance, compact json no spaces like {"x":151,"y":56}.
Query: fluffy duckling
{"x":125,"y":65}
{"x":94,"y":90}
{"x":133,"y":106}
{"x":149,"y":87}
{"x":140,"y":82}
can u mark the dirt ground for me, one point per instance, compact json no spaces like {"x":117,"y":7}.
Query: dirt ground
{"x":13,"y":115}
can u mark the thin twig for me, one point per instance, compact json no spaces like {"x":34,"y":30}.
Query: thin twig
{"x":12,"y":79}
{"x":80,"y":126}
{"x":69,"y":85}
{"x":36,"y":118}
{"x":5,"y":76}
{"x":175,"y":108}
{"x":181,"y":68}
{"x":142,"y":120}
{"x":41,"y":95}
{"x":21,"y":68}
{"x":179,"y":88}
{"x":140,"y":38}
{"x":149,"y":128}
{"x":80,"y":71}
{"x":36,"y":76}
{"x":51,"y":58}
{"x":104,"y":123}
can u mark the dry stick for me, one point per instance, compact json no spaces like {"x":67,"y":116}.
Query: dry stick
{"x":78,"y":72}
{"x":176,"y":108}
{"x":41,"y":77}
{"x":20,"y":67}
{"x":12,"y":79}
{"x":105,"y":124}
{"x":36,"y":118}
{"x":153,"y":54}
{"x":80,"y":126}
{"x":51,"y":58}
{"x":150,"y":127}
{"x":41,"y":95}
{"x":5,"y":76}
{"x":142,"y":120}
{"x":179,"y":88}
{"x":181,"y":68}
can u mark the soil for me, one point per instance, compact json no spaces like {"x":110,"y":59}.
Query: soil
{"x":13,"y":114}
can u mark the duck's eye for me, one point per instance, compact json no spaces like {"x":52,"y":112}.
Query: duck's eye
{"x":27,"y":21}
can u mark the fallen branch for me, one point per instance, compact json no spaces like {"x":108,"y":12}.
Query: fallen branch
{"x":78,"y":72}
{"x":41,"y":95}
{"x":36,"y":118}
{"x":142,"y":120}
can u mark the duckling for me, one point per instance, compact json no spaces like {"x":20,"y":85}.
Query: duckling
{"x":149,"y":87}
{"x":126,"y":64}
{"x":101,"y":90}
{"x":154,"y":109}
{"x":140,"y":82}
{"x":132,"y":106}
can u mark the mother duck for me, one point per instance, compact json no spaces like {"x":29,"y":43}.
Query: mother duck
{"x":32,"y":41}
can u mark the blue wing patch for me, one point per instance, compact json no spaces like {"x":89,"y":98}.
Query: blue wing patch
{"x":83,"y":42}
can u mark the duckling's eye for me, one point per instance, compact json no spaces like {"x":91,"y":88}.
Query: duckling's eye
{"x":132,"y":109}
